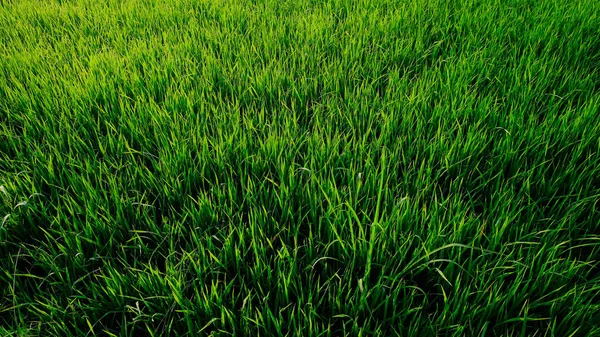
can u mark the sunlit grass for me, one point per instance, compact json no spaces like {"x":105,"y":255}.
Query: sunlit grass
{"x":299,"y":168}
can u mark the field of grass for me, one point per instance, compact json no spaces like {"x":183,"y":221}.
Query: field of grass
{"x":299,"y":168}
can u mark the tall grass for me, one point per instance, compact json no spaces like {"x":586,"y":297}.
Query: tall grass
{"x":300,"y":168}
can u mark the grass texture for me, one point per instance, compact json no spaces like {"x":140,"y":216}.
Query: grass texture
{"x":300,"y":168}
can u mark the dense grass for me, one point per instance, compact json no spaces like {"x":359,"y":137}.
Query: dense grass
{"x":300,"y":168}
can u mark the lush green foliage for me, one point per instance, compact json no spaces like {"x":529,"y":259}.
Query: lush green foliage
{"x":300,"y":168}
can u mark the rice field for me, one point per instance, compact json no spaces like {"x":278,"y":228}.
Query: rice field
{"x":299,"y":168}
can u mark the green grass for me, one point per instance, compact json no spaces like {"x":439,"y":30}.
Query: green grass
{"x":300,"y":168}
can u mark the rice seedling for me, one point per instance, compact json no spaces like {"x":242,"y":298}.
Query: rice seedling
{"x":299,"y":168}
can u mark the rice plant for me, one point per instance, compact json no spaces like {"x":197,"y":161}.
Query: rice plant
{"x":299,"y":168}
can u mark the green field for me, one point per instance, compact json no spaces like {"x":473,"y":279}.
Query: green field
{"x":300,"y":168}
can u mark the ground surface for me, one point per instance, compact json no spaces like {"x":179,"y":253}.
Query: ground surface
{"x":299,"y":168}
